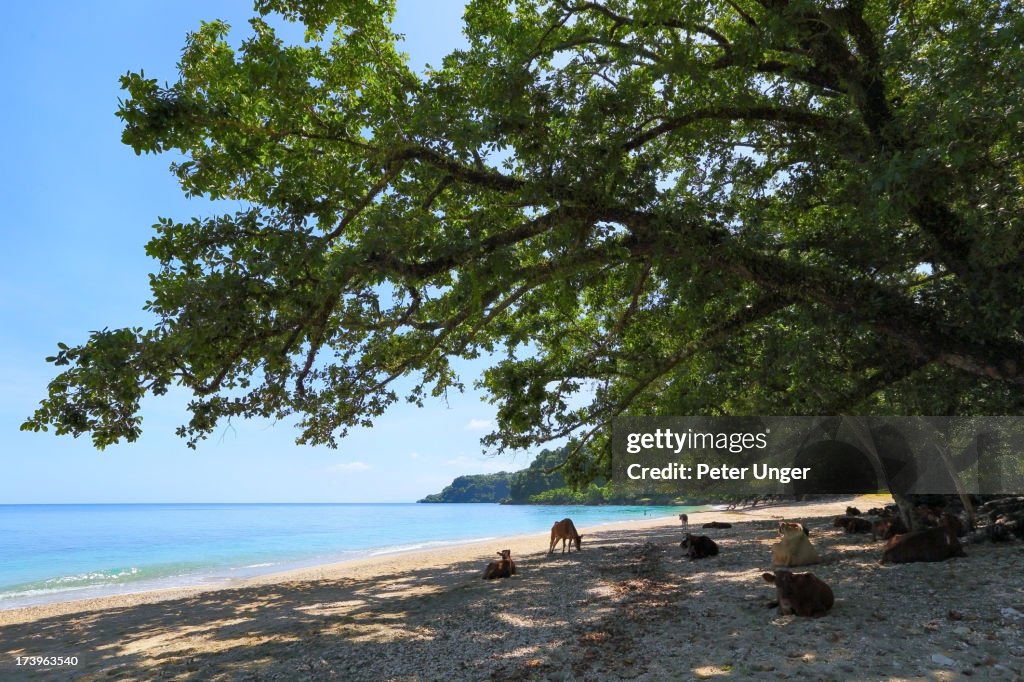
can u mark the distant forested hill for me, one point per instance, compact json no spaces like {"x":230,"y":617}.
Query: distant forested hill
{"x":474,"y":488}
{"x":534,"y":485}
{"x":511,"y":488}
{"x":514,"y":488}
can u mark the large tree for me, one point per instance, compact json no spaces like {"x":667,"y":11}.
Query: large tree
{"x":652,"y":207}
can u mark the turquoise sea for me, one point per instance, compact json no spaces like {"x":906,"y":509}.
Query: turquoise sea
{"x":62,"y":552}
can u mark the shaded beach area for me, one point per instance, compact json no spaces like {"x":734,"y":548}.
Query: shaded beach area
{"x":630,"y":605}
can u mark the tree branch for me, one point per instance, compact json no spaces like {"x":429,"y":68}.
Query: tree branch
{"x":768,"y":114}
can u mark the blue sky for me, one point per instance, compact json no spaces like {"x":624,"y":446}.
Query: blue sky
{"x":78,"y":206}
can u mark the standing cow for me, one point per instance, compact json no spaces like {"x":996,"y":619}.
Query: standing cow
{"x":564,"y":530}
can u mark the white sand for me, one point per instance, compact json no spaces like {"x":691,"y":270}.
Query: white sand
{"x":629,"y":606}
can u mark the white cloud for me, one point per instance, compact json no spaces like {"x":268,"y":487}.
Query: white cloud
{"x":414,"y":455}
{"x":479,"y":425}
{"x":350,"y":467}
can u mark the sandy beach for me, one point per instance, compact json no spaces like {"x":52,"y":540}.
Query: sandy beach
{"x":630,"y":606}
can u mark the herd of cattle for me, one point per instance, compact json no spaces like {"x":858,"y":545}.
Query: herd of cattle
{"x":802,"y":594}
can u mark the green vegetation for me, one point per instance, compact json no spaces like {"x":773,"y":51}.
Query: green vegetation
{"x":474,"y":488}
{"x":543,"y":475}
{"x":522,"y":487}
{"x":541,"y":483}
{"x":652,"y":207}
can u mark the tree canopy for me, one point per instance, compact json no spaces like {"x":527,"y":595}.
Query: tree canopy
{"x":638,"y":207}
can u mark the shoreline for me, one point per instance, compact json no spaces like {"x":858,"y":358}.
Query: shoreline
{"x":211,"y":581}
{"x":153,"y":590}
{"x":377,"y":562}
{"x":630,"y":605}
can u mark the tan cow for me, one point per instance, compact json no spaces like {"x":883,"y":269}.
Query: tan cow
{"x":503,"y":568}
{"x":789,"y":526}
{"x":564,"y":530}
{"x":793,"y":549}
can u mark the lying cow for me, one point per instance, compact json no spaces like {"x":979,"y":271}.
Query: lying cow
{"x":852,"y":511}
{"x":699,"y":546}
{"x":953,"y":523}
{"x":852,"y":524}
{"x":930,"y":514}
{"x":717,"y":524}
{"x":802,"y":594}
{"x":787,"y":526}
{"x":564,"y":530}
{"x":931,"y":544}
{"x":888,"y":527}
{"x":794,"y":549}
{"x":503,"y":568}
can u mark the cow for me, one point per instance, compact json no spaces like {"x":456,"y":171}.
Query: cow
{"x":929,"y":514}
{"x":503,"y":568}
{"x":685,"y":520}
{"x":802,"y":594}
{"x":786,"y":526}
{"x":885,"y":528}
{"x":852,"y":511}
{"x":564,"y":530}
{"x":858,"y":525}
{"x":1002,"y":530}
{"x":794,"y":549}
{"x":699,"y":546}
{"x":852,"y":524}
{"x":717,"y":524}
{"x":931,"y":544}
{"x":953,"y":523}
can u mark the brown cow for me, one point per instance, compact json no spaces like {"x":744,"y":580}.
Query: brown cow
{"x":685,"y":520}
{"x":699,"y":546}
{"x":803,"y":594}
{"x":852,"y":524}
{"x":930,"y":514}
{"x":852,"y":511}
{"x":931,"y":544}
{"x":794,"y":549}
{"x":503,"y":568}
{"x":886,"y":528}
{"x":953,"y":523}
{"x":564,"y":530}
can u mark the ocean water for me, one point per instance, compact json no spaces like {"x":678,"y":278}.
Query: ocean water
{"x":62,"y":552}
